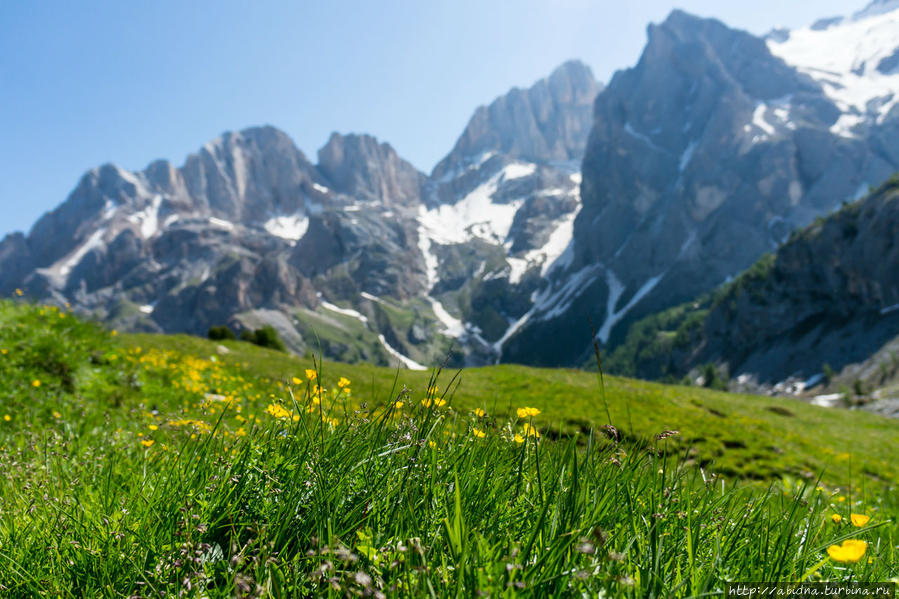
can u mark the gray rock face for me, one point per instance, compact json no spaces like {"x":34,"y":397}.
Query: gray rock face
{"x":356,"y":253}
{"x":547,"y":122}
{"x":248,"y":176}
{"x":359,"y":166}
{"x":702,"y":157}
{"x":830,"y":295}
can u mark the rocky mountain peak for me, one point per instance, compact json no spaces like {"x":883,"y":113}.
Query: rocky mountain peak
{"x":548,"y":122}
{"x":688,"y":43}
{"x":361,"y":166}
{"x":249,"y":176}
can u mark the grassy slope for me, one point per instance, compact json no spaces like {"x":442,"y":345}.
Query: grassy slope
{"x":139,"y":465}
{"x":742,"y":435}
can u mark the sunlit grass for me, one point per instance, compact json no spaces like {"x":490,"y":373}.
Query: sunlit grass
{"x":135,"y":469}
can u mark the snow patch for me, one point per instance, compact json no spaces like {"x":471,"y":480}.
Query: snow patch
{"x":475,"y":215}
{"x":345,"y":311}
{"x":551,"y":303}
{"x":844,"y":59}
{"x":320,"y":188}
{"x":374,"y":298}
{"x":291,"y":228}
{"x":404,"y":360}
{"x":147,"y":308}
{"x":828,"y":400}
{"x":545,"y":256}
{"x":517,"y":170}
{"x":687,"y":155}
{"x":452,"y":326}
{"x":637,"y":135}
{"x":758,"y":119}
{"x":468,"y":165}
{"x":148,"y":218}
{"x":221,"y":223}
{"x":72,"y":260}
{"x":615,"y":291}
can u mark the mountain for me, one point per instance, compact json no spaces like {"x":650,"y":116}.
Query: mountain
{"x":829,"y":295}
{"x":499,"y":207}
{"x":354,"y":256}
{"x":560,"y":205}
{"x":704,"y":156}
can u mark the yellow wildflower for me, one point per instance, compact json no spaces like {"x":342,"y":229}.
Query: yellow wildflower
{"x":57,"y":415}
{"x":530,"y":431}
{"x":478,"y":433}
{"x":859,"y":519}
{"x":19,"y":292}
{"x":147,"y":442}
{"x":399,"y":405}
{"x":311,"y":374}
{"x":527,"y":412}
{"x":518,"y":438}
{"x":297,"y":380}
{"x":432,"y":444}
{"x":35,"y":383}
{"x":850,"y":551}
{"x":436,"y":402}
{"x":277,"y":411}
{"x":479,"y":413}
{"x":114,"y":332}
{"x":836,"y":518}
{"x":7,"y":417}
{"x":343,"y":382}
{"x":4,"y":351}
{"x":152,"y":427}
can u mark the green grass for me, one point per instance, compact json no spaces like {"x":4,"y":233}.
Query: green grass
{"x":146,"y":465}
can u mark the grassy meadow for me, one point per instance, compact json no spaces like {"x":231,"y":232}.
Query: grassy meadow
{"x":150,"y":465}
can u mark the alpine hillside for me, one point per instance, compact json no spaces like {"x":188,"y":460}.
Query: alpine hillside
{"x":559,"y":205}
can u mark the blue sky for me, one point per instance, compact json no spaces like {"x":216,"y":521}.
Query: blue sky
{"x":129,"y":82}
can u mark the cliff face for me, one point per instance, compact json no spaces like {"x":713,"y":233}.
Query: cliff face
{"x":360,"y":256}
{"x":830,"y":295}
{"x":702,"y":157}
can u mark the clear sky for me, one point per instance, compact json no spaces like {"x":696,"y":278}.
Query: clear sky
{"x":132,"y":81}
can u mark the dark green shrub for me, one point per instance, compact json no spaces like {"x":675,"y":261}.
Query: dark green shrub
{"x":267,"y":336}
{"x":221,"y":333}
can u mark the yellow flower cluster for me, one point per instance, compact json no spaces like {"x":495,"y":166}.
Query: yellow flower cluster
{"x":277,"y":411}
{"x":527,"y":412}
{"x":436,"y":402}
{"x":850,"y":551}
{"x":530,"y":431}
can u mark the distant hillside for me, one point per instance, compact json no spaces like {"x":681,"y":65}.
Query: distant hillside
{"x":828,"y":296}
